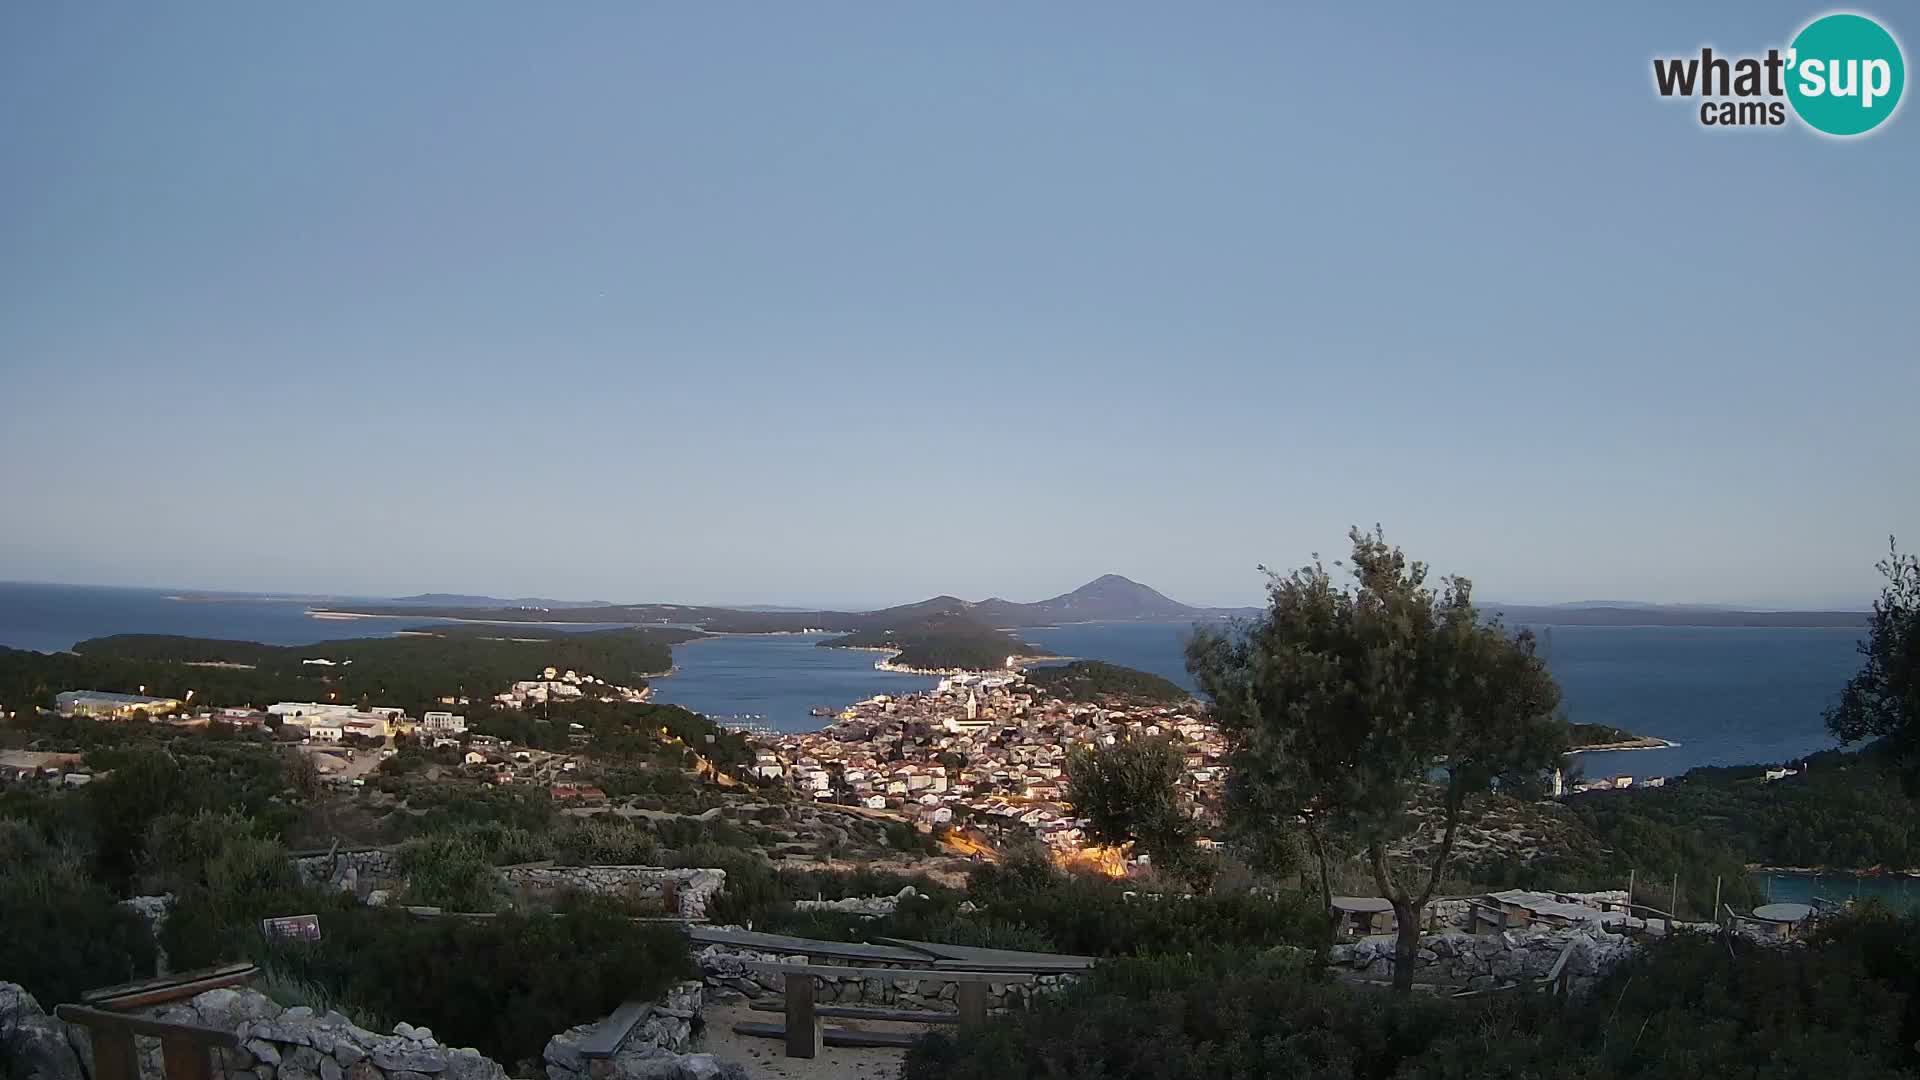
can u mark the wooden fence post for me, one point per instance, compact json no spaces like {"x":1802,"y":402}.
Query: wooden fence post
{"x":113,"y":1056}
{"x":803,"y":1026}
{"x":972,"y":999}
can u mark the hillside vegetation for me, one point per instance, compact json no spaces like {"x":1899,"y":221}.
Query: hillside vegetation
{"x":939,"y":642}
{"x":411,"y":672}
{"x":1097,"y":680}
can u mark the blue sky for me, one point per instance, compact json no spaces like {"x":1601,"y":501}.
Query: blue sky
{"x":855,"y":303}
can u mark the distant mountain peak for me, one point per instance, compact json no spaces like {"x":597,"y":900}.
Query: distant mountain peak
{"x":1107,"y":597}
{"x":1106,"y":582}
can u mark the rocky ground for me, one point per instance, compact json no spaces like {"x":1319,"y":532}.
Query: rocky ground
{"x":1500,"y":830}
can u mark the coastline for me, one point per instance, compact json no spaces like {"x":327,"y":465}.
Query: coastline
{"x":1827,"y":871}
{"x":887,"y":664}
{"x":350,"y":616}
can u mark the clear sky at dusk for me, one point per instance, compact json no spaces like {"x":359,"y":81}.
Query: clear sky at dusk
{"x":856,"y":303}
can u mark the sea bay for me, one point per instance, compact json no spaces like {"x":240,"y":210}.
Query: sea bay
{"x":1723,"y":695}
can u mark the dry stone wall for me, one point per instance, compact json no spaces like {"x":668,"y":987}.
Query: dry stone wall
{"x":1484,"y":961}
{"x":687,"y":890}
{"x":298,"y":1044}
{"x":357,"y":872}
{"x":276,"y":1043}
{"x":723,"y":969}
{"x":365,"y":873}
{"x":870,"y":906}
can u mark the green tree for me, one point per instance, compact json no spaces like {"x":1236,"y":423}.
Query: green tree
{"x":1344,"y":705}
{"x":1129,"y":794}
{"x":1883,"y":699}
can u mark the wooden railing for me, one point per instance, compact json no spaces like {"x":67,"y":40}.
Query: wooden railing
{"x":185,"y":1049}
{"x":803,"y":1032}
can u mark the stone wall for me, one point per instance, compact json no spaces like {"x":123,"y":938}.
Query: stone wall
{"x":1484,"y":961}
{"x":870,"y":906}
{"x":299,"y":1044}
{"x":365,"y":873}
{"x":687,"y":891}
{"x":277,"y":1043}
{"x":727,"y":979}
{"x":657,"y":1048}
{"x":357,"y":872}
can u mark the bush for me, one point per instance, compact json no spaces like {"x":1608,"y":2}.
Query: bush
{"x":504,"y":985}
{"x":1685,"y":1008}
{"x":453,"y":871}
{"x":602,"y":841}
{"x":1097,"y":916}
{"x":60,"y":932}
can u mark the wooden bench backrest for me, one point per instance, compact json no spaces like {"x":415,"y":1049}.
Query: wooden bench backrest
{"x":183,"y":1047}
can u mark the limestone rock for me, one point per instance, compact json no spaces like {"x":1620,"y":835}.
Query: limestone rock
{"x":472,"y":1065}
{"x":701,"y":1066}
{"x":215,"y":1006}
{"x":397,"y":1058}
{"x":37,"y":1048}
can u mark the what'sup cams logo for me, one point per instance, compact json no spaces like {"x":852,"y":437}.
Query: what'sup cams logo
{"x":1842,"y":76}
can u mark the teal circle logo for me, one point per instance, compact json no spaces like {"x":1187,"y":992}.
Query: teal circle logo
{"x":1845,"y":74}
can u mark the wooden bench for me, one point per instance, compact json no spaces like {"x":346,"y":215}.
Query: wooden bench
{"x":604,"y":1040}
{"x":803,"y":1033}
{"x":166,"y":988}
{"x":183,"y":1047}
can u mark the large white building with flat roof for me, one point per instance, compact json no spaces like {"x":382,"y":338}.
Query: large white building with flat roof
{"x":104,"y":705}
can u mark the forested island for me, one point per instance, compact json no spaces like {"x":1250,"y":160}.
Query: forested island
{"x":412,"y":671}
{"x":1605,"y":737}
{"x":1097,"y":680}
{"x":940,"y":642}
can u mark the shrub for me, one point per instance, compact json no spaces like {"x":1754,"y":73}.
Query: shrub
{"x":1098,"y":916}
{"x":1684,"y":1008}
{"x":503,"y":985}
{"x":602,"y":842}
{"x":60,"y":932}
{"x":451,"y":871}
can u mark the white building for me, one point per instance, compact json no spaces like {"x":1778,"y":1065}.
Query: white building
{"x":443,"y":723}
{"x":314,"y":710}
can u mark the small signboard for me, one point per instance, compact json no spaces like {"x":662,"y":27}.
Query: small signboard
{"x":292,"y":928}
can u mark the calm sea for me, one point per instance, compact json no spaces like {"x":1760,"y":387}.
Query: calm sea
{"x":50,"y":618}
{"x":1726,"y":695}
{"x":1897,"y":891}
{"x":777,"y":679}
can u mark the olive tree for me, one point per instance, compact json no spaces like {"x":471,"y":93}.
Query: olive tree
{"x":1883,"y":699}
{"x":1347,"y":704}
{"x":1129,"y":794}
